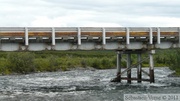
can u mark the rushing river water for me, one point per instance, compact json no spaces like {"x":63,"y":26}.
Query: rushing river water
{"x":81,"y":85}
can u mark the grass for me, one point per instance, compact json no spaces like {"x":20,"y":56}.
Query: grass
{"x":41,"y":61}
{"x":29,"y":62}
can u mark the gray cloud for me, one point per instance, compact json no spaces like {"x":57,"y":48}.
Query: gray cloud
{"x":89,"y":13}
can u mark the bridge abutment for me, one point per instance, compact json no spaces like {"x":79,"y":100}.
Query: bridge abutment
{"x":129,"y":65}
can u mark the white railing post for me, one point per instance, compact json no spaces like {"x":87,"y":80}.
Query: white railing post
{"x":158,"y":36}
{"x":150,"y":36}
{"x":103,"y":36}
{"x":26,"y":37}
{"x":79,"y":36}
{"x":53,"y":36}
{"x":127,"y":36}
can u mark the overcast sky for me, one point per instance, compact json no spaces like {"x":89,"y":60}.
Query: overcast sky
{"x":90,"y":13}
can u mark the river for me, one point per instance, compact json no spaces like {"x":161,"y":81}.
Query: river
{"x":81,"y":85}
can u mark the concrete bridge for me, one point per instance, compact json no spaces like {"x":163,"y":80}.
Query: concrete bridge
{"x":125,"y":40}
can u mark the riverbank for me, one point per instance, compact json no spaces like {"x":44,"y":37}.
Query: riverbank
{"x":49,"y":61}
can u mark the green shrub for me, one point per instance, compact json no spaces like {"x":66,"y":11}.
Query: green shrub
{"x":96,"y":63}
{"x":3,"y":66}
{"x":173,"y":60}
{"x":21,"y":62}
{"x":83,"y":63}
{"x":106,"y":63}
{"x":47,"y":64}
{"x":41,"y":64}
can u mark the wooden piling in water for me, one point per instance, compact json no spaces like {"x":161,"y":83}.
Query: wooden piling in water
{"x":139,"y":72}
{"x":118,"y":66}
{"x":138,"y":65}
{"x":128,"y":66}
{"x":151,"y":66}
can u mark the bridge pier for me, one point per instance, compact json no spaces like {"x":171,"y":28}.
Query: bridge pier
{"x":139,"y":72}
{"x":138,"y":65}
{"x":118,"y":66}
{"x":128,"y":65}
{"x":151,"y":63}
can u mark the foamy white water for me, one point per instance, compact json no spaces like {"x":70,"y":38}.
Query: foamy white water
{"x":81,"y":85}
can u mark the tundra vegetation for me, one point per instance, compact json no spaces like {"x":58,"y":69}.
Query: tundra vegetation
{"x":49,"y":61}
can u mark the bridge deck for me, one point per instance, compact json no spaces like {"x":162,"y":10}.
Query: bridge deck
{"x":88,"y":38}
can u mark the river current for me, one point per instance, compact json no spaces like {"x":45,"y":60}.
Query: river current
{"x":82,"y":85}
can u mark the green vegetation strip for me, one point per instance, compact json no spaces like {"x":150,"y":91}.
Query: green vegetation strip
{"x":43,"y":61}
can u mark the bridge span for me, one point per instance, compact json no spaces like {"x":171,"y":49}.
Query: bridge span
{"x":88,"y":38}
{"x":125,"y":40}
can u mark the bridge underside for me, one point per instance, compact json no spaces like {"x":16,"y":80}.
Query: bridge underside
{"x":12,"y":46}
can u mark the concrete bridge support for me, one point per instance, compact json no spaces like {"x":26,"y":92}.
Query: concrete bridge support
{"x":138,"y":65}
